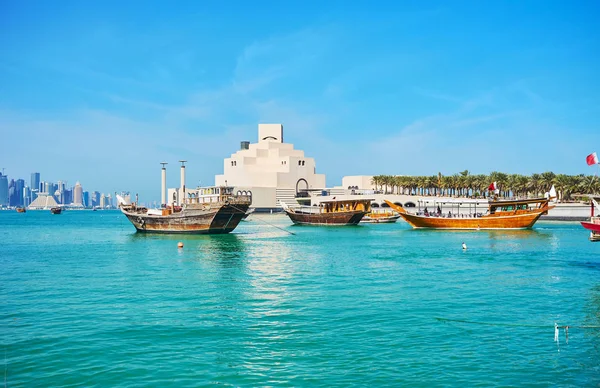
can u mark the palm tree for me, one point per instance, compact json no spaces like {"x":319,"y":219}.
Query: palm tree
{"x":547,"y":180}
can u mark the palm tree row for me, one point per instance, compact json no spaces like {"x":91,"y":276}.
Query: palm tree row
{"x":464,"y":184}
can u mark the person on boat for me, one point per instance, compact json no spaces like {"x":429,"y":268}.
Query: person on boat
{"x":426,"y":212}
{"x":439,"y":210}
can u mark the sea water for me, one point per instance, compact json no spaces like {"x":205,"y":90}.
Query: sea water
{"x":86,"y":301}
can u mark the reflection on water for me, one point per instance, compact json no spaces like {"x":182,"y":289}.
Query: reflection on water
{"x":520,"y":234}
{"x":222,"y":249}
{"x":498,"y":234}
{"x":593,"y":316}
{"x":226,"y":250}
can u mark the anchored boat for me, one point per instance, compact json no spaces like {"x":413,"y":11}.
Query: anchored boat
{"x":334,"y":212}
{"x":56,"y":210}
{"x":216,"y":211}
{"x":380,"y":217}
{"x":501,"y":214}
{"x":205,"y":210}
{"x":593,"y":225}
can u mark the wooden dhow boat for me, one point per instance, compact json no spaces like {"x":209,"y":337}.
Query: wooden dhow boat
{"x":21,"y":210}
{"x":332,"y":212}
{"x":501,"y":214}
{"x":380,"y":217}
{"x":212,"y":210}
{"x":593,"y":225}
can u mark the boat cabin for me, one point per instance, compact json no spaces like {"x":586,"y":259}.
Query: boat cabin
{"x":337,"y":206}
{"x":515,"y":207}
{"x":215,"y":194}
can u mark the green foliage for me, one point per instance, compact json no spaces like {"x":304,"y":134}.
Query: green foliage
{"x":464,"y":184}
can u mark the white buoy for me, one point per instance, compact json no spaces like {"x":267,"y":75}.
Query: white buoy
{"x":464,"y":246}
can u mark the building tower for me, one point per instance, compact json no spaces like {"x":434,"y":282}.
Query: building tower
{"x":163,"y":186}
{"x":78,"y":194}
{"x":181,"y":199}
{"x":34,"y":185}
{"x":3,"y":190}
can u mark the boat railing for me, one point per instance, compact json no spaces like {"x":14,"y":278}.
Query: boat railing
{"x":450,"y":215}
{"x":215,"y":198}
{"x":306,"y":209}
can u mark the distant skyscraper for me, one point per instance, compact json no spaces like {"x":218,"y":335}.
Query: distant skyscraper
{"x":13,"y":199}
{"x":95,"y":199}
{"x":67,"y":196}
{"x":102,"y":201}
{"x":26,"y":196}
{"x":86,"y":199}
{"x":19,"y":191}
{"x":3,"y":190}
{"x":35,"y":181}
{"x":15,"y":192}
{"x":78,"y":194}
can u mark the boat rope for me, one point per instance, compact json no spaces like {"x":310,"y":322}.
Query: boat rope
{"x":274,"y":226}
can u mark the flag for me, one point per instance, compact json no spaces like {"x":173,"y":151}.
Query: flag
{"x":592,"y":159}
{"x":492,"y":186}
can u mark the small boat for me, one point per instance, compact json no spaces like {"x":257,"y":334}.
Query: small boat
{"x":333,"y":212}
{"x":501,"y":214}
{"x":593,"y":225}
{"x":21,"y":210}
{"x":207,"y":210}
{"x":381,"y":217}
{"x":56,"y":210}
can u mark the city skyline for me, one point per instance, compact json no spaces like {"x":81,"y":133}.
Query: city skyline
{"x":17,"y":192}
{"x":397,"y":89}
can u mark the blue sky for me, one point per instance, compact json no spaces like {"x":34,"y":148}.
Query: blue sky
{"x":101,"y":92}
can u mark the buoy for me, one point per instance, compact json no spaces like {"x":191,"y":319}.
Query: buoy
{"x":180,"y":245}
{"x":464,"y":246}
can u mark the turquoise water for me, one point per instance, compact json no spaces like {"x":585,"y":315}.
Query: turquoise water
{"x":88,"y":302}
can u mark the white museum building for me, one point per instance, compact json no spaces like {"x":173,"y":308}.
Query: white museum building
{"x":271,"y":170}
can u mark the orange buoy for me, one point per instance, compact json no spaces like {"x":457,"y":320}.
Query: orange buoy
{"x":180,"y":245}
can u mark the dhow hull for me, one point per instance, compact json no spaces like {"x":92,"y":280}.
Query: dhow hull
{"x":346,"y":218}
{"x":522,"y":221}
{"x":211,"y":221}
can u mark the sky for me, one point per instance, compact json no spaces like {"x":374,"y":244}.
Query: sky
{"x":101,"y":92}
